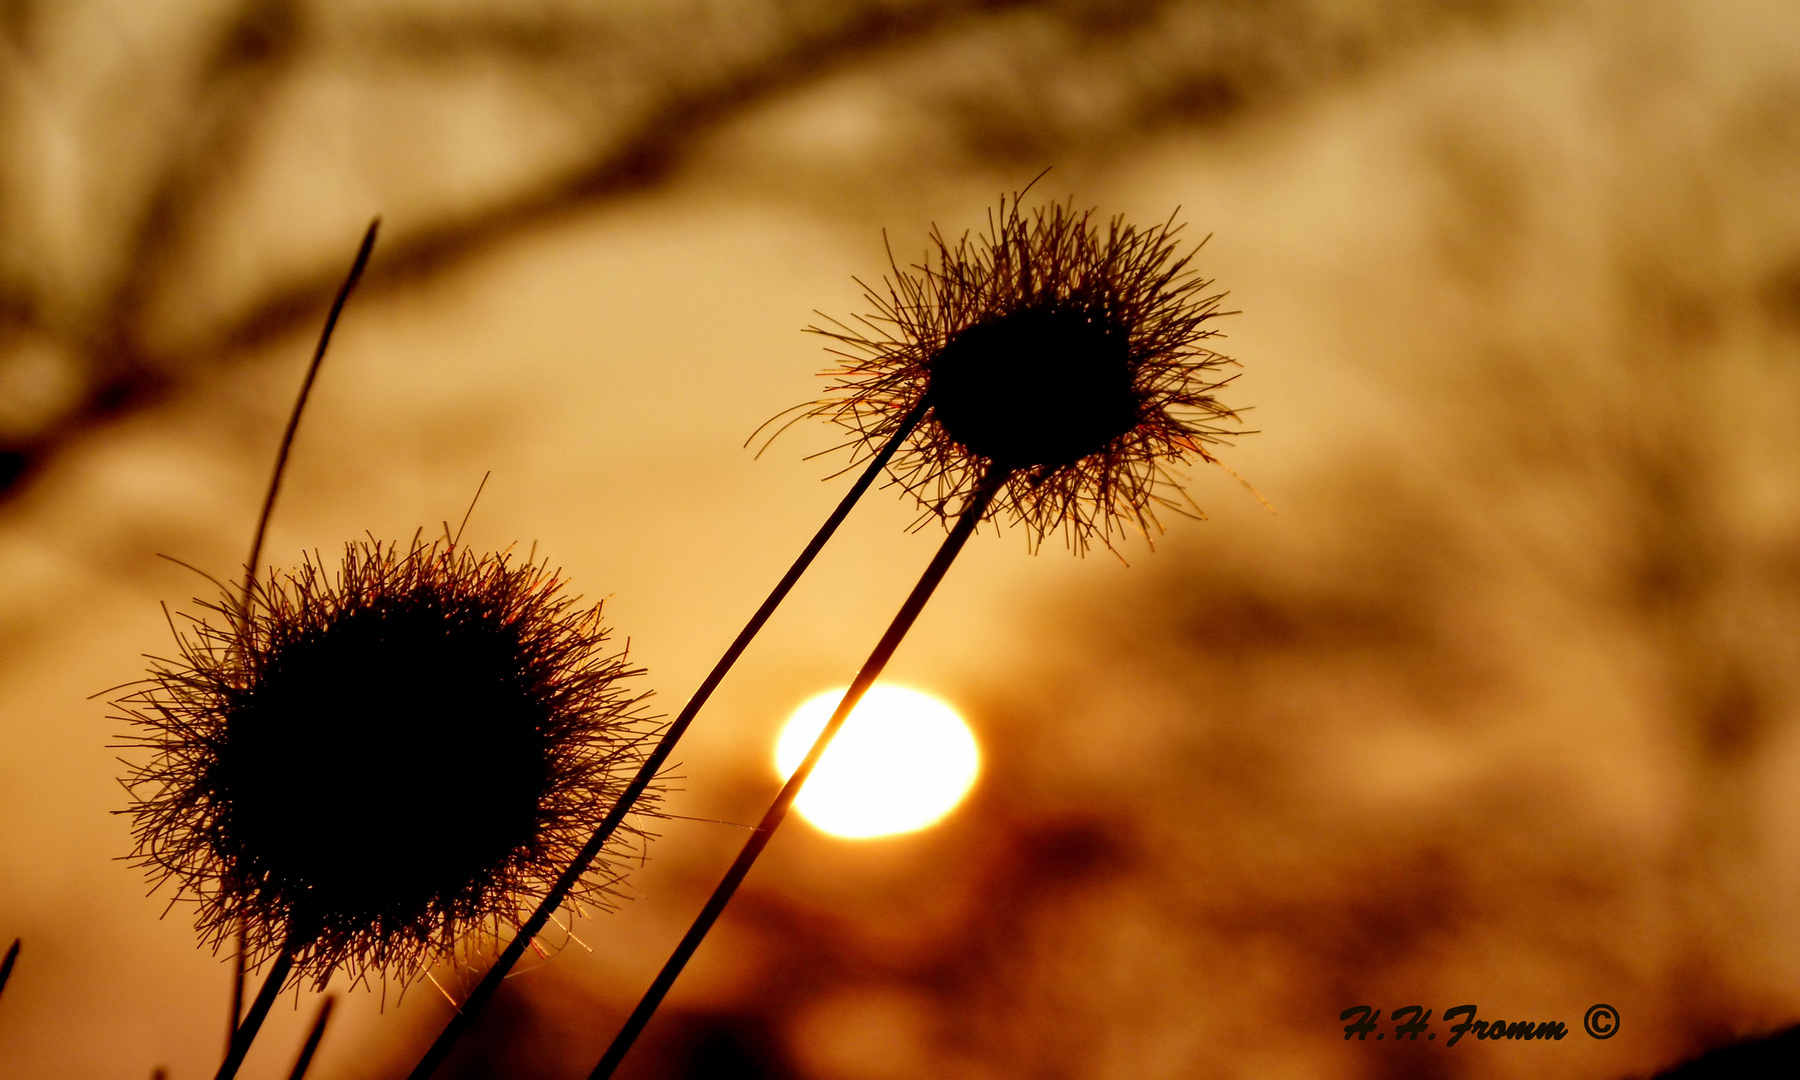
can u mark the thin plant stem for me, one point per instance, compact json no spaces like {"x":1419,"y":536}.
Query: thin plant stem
{"x":293,"y":424}
{"x":6,"y":965}
{"x":357,"y":265}
{"x":304,"y":1061}
{"x":484,"y":990}
{"x":259,"y":1011}
{"x":237,"y":989}
{"x":871,"y":670}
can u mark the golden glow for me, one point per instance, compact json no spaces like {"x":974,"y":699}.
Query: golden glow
{"x":902,"y":761}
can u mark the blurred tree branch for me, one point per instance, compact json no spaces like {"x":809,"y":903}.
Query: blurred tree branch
{"x":111,"y":296}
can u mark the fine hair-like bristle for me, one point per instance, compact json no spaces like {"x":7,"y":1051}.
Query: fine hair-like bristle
{"x":364,"y":765}
{"x":1068,"y":353}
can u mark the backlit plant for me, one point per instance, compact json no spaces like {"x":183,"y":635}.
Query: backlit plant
{"x":374,"y":760}
{"x":1066,"y":357}
{"x":350,"y":768}
{"x":307,"y":785}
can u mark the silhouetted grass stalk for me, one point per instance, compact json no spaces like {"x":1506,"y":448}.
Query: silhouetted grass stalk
{"x":237,"y":990}
{"x":6,"y":965}
{"x":360,"y":263}
{"x":490,"y":982}
{"x":259,"y":1011}
{"x":967,"y":521}
{"x":313,"y":1037}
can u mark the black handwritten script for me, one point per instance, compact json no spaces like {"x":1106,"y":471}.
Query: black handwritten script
{"x":1411,"y":1021}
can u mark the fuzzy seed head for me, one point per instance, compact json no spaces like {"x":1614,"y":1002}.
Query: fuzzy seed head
{"x":1067,"y":354}
{"x":375,"y":763}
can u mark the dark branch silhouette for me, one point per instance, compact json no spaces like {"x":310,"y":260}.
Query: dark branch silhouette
{"x":649,"y":93}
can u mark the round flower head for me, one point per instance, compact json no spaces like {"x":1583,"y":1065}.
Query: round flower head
{"x":1066,"y":355}
{"x":358,"y":768}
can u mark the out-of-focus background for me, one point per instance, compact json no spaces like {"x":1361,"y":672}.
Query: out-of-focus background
{"x":1499,"y":707}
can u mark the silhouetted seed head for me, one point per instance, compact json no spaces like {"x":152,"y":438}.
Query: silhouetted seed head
{"x":1069,"y":354}
{"x":378,"y":762}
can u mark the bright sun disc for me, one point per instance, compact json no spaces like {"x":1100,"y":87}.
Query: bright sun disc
{"x":901,"y":762}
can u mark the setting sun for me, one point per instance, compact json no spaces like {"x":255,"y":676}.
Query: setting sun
{"x":902,"y":761}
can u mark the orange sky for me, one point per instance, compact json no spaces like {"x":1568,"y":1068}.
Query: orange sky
{"x":1499,"y":224}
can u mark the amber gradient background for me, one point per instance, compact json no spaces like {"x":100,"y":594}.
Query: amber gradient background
{"x":1498,"y":708}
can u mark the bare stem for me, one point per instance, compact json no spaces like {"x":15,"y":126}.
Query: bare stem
{"x":293,"y":424}
{"x":6,"y":965}
{"x":646,"y":773}
{"x":259,"y":1011}
{"x":871,"y":670}
{"x":357,"y":266}
{"x":304,"y":1061}
{"x":237,"y":988}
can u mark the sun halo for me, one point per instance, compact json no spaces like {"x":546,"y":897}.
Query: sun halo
{"x":901,"y":763}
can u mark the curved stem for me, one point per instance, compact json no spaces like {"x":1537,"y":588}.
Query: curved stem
{"x":293,"y":424}
{"x":259,"y":1011}
{"x":646,"y":773}
{"x":765,"y":831}
{"x":357,"y":266}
